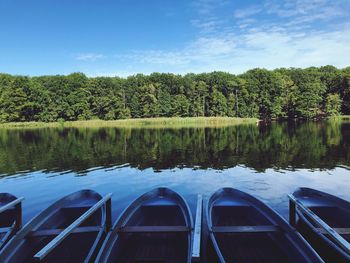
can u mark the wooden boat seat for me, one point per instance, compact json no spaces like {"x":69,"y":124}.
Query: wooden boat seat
{"x":245,"y":229}
{"x":6,"y":209}
{"x":77,"y":207}
{"x":5,"y":229}
{"x":231,"y":202}
{"x":340,"y":231}
{"x":55,"y":232}
{"x":160,"y":202}
{"x":153,"y":229}
{"x":150,"y":260}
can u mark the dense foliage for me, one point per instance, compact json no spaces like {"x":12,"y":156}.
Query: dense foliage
{"x":281,"y":93}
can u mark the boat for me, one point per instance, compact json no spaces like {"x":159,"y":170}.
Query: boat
{"x":70,"y":230}
{"x":324,"y":221}
{"x":156,"y":227}
{"x":243,"y":229}
{"x":10,"y":216}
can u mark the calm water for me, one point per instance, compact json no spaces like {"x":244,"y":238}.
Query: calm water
{"x":267,"y":161}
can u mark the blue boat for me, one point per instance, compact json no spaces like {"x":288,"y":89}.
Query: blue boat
{"x":70,"y":230}
{"x":324,"y":220}
{"x":243,"y":229}
{"x":156,"y":227}
{"x":10,"y":217}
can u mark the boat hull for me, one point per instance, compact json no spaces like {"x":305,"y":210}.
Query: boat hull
{"x":243,"y":229}
{"x":156,"y":227}
{"x":77,"y":247}
{"x":8,"y":218}
{"x":332,"y":210}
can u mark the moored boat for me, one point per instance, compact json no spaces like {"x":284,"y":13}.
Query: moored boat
{"x":156,"y":227}
{"x":243,"y":229}
{"x":10,"y":216}
{"x":70,"y":230}
{"x":324,"y":221}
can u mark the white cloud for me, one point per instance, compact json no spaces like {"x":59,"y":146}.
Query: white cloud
{"x":204,"y":7}
{"x":307,"y":10}
{"x":89,"y":57}
{"x":116,"y":73}
{"x":283,"y":36}
{"x":268,"y":48}
{"x":247,"y":12}
{"x":244,"y":23}
{"x":207,"y":25}
{"x":212,"y":46}
{"x":284,"y":49}
{"x":158,"y":57}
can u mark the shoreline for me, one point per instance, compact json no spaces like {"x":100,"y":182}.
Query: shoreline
{"x":171,"y":122}
{"x":161,"y":122}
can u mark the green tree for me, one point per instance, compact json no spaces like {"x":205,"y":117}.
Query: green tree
{"x":333,"y":105}
{"x":149,"y":101}
{"x":198,"y":96}
{"x":269,"y":87}
{"x":180,"y":106}
{"x":13,"y":100}
{"x":309,"y":102}
{"x":217,"y":104}
{"x":231,"y":105}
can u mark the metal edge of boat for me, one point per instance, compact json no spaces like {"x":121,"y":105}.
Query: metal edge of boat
{"x":293,"y":236}
{"x":16,"y":203}
{"x":296,"y":208}
{"x":128,"y":212}
{"x":103,"y":203}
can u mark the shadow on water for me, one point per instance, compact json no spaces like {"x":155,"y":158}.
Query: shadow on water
{"x":287,"y":146}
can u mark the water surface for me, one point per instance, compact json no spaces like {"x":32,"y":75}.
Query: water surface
{"x":268,"y":161}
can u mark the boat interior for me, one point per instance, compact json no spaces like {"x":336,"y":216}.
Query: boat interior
{"x":244,"y":233}
{"x":145,"y":238}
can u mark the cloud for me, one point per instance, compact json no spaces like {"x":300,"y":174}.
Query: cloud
{"x":204,"y":7}
{"x":244,"y":23}
{"x":116,"y":73}
{"x":200,"y":50}
{"x":284,"y":35}
{"x":89,"y":57}
{"x":307,"y":10}
{"x":212,"y":46}
{"x":161,"y":57}
{"x":269,"y":48}
{"x":247,"y":12}
{"x":207,"y":25}
{"x":274,"y":49}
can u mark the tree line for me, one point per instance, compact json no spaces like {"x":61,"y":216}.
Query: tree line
{"x":266,"y":94}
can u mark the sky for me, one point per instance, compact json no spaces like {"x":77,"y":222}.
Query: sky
{"x":125,"y":37}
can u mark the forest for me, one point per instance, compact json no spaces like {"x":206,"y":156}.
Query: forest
{"x":266,"y":94}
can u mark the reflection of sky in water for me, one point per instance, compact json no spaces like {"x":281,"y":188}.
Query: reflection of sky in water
{"x":41,"y":189}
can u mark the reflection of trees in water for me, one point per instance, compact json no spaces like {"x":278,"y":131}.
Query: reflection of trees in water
{"x":279,"y":145}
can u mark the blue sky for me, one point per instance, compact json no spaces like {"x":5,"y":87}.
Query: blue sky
{"x":124,"y":37}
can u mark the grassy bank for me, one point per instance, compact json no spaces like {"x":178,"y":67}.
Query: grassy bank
{"x":340,"y":117}
{"x":137,"y":123}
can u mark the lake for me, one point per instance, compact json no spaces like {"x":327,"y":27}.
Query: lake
{"x":268,"y":161}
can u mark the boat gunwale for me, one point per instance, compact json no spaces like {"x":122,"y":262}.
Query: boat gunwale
{"x":8,"y":198}
{"x":289,"y":232}
{"x":305,"y":191}
{"x":40,"y":218}
{"x":128,"y":212}
{"x":302,"y":192}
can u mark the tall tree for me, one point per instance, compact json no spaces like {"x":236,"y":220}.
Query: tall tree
{"x":333,"y":105}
